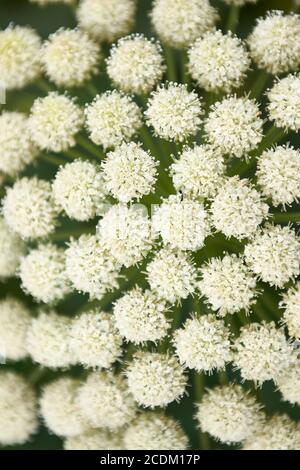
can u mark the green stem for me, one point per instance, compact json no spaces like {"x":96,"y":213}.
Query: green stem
{"x":286,"y":217}
{"x":87,"y":145}
{"x":53,"y":159}
{"x":259,"y":84}
{"x":171,"y":68}
{"x":233,"y":18}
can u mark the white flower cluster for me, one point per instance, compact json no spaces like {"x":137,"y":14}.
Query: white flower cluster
{"x":149,"y":205}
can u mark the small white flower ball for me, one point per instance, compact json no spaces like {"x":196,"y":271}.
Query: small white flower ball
{"x":182,"y":224}
{"x":135,"y":64}
{"x":43,"y":273}
{"x":155,"y":379}
{"x":125,"y":232}
{"x":105,"y":401}
{"x":234,"y":126}
{"x":129,"y":172}
{"x":174,"y":112}
{"x":172,"y":275}
{"x":229,"y":414}
{"x":289,"y":383}
{"x":278,"y":433}
{"x":47,"y":340}
{"x":154,"y":431}
{"x":70,"y":57}
{"x":278,"y":175}
{"x":90,"y":267}
{"x":140,"y":316}
{"x":17,"y":150}
{"x":106,"y":20}
{"x":95,"y":439}
{"x":284,"y":103}
{"x":274,"y":255}
{"x":199,"y":172}
{"x":291,"y":315}
{"x":262,"y":352}
{"x":18,"y":404}
{"x":60,"y":410}
{"x":15,"y":319}
{"x":95,"y":340}
{"x":29,"y":208}
{"x":20,"y":54}
{"x":218,"y":62}
{"x":179,"y":22}
{"x":11,"y":250}
{"x":227,"y":284}
{"x":238,"y":209}
{"x":272,"y":42}
{"x":203,"y":344}
{"x":78,"y":188}
{"x":112,"y":118}
{"x":54,"y":121}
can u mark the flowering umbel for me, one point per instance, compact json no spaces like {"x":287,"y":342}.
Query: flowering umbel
{"x":149,"y":248}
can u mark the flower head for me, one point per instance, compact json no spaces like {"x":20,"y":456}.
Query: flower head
{"x":95,"y":439}
{"x":129,"y":172}
{"x":70,"y":57}
{"x":47,"y":340}
{"x":284,"y":103}
{"x":291,"y":315}
{"x":289,"y":383}
{"x":198,"y":172}
{"x":106,"y":20}
{"x":105,"y":401}
{"x":135,"y":64}
{"x":112,"y":118}
{"x":218,"y":62}
{"x":43,"y":273}
{"x":78,"y":188}
{"x":182,"y":224}
{"x":174,"y":112}
{"x":172,"y":275}
{"x":155,"y":379}
{"x":227,"y":284}
{"x":154,"y":431}
{"x":125,"y":232}
{"x":54,"y":121}
{"x":262,"y":352}
{"x":274,"y":255}
{"x":272,"y":42}
{"x":17,"y":150}
{"x":140,"y":316}
{"x":59,"y":408}
{"x":20,"y":54}
{"x":94,"y":339}
{"x":179,"y":22}
{"x":203,"y":343}
{"x":29,"y":209}
{"x":15,"y":319}
{"x":234,"y":126}
{"x":278,"y":433}
{"x":229,"y":414}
